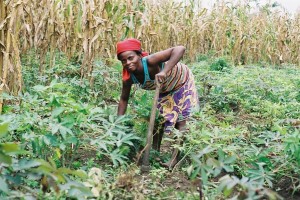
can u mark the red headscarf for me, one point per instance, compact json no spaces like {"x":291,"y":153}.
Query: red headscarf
{"x":129,"y":45}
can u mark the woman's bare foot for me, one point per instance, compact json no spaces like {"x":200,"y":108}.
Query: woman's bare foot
{"x":173,"y":161}
{"x":170,"y":164}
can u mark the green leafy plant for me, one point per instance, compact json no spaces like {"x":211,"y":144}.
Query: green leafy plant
{"x":292,"y":146}
{"x":220,"y":64}
{"x":244,"y":188}
{"x":116,"y":137}
{"x":16,"y":168}
{"x":261,"y":175}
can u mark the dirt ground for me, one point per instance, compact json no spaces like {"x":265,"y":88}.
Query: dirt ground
{"x":284,"y":188}
{"x":160,"y":180}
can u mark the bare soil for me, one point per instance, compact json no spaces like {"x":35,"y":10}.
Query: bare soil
{"x":166,"y":181}
{"x":285,"y":189}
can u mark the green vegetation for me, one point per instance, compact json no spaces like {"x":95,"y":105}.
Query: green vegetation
{"x":61,"y":137}
{"x":246,"y":31}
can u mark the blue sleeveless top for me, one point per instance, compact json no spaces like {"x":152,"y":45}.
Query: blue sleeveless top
{"x":175,"y":78}
{"x":148,"y":83}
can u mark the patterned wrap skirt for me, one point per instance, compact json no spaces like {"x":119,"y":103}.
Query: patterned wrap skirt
{"x":178,"y":105}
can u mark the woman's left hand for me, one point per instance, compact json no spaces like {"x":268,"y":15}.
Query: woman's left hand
{"x":161,"y":76}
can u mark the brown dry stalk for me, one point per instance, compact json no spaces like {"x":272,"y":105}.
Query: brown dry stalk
{"x":89,"y":29}
{"x":2,"y":35}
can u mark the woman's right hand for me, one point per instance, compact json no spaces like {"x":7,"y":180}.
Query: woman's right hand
{"x":160,"y":77}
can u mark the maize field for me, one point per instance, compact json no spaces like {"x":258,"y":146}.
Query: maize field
{"x":60,"y":84}
{"x":90,"y":29}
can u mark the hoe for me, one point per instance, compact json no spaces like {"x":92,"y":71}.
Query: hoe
{"x":145,"y":164}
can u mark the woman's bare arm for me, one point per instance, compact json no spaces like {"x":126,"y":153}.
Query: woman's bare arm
{"x":122,"y":107}
{"x":172,"y":55}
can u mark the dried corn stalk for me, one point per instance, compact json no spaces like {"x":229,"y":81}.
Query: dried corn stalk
{"x":11,"y":75}
{"x":89,"y":29}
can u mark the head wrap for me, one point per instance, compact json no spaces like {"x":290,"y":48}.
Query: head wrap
{"x":129,"y":45}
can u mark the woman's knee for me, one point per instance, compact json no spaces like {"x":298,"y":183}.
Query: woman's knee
{"x":181,"y":125}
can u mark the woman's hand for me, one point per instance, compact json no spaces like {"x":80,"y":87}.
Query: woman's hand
{"x":160,"y":77}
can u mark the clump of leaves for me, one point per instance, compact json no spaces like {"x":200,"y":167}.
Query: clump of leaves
{"x":142,"y":105}
{"x":292,"y":146}
{"x":206,"y":165}
{"x":23,"y":177}
{"x":219,"y":64}
{"x":244,"y":188}
{"x":115,"y":138}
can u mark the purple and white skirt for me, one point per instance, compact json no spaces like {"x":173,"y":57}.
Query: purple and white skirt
{"x":178,"y":105}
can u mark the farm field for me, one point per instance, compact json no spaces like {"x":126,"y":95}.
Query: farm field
{"x":62,"y":138}
{"x":60,"y":84}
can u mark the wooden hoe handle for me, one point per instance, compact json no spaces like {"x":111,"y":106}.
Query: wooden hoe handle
{"x":146,"y":165}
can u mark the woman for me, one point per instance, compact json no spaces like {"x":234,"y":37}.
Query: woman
{"x":177,"y":88}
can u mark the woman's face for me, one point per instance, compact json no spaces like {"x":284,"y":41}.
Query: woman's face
{"x":130,"y":60}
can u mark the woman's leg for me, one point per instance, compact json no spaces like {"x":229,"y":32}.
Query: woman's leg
{"x":176,"y":153}
{"x":181,"y":125}
{"x":157,"y":137}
